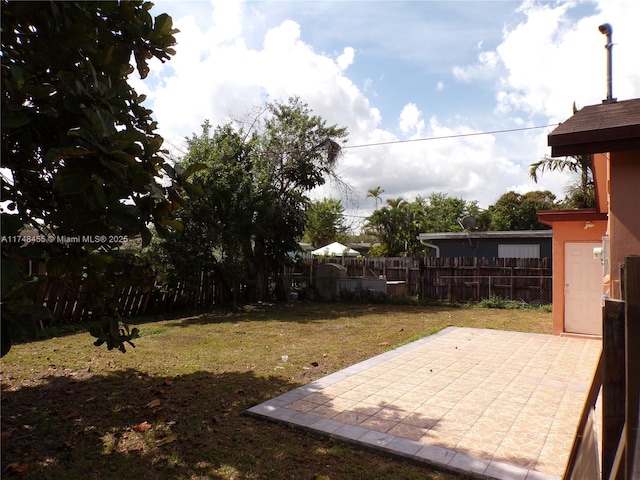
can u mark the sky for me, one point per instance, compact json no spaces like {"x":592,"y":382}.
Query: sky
{"x":402,"y":74}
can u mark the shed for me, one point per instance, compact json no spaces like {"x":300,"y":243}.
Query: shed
{"x":500,"y":244}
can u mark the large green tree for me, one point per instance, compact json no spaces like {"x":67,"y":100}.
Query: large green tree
{"x":397,"y":224}
{"x":296,"y":151}
{"x":325,"y":222}
{"x":79,"y":149}
{"x":390,"y":225}
{"x":515,"y":211}
{"x":443,"y":213}
{"x":216,"y":218}
{"x":255,"y":185}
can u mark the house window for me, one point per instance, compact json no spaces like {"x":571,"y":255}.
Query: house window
{"x":518,"y":251}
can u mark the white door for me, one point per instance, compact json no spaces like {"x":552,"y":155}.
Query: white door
{"x":582,"y":289}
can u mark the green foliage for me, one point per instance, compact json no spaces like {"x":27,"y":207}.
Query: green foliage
{"x":83,"y":157}
{"x":325,"y":222}
{"x":397,"y":224}
{"x":441,"y":213}
{"x":515,"y":211}
{"x":376,"y":194}
{"x":114,"y":334}
{"x":252,"y":212}
{"x":580,"y":193}
{"x":502,"y":303}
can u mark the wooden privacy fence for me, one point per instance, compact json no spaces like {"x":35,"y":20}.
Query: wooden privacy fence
{"x":66,"y":297}
{"x":618,"y":378}
{"x":392,"y":268}
{"x":452,"y":279}
{"x":474,"y":279}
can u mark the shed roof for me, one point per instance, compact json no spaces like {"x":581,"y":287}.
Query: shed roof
{"x":609,"y":127}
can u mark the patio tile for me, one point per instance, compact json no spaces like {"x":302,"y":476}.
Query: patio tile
{"x":506,"y":471}
{"x":435,"y":455}
{"x":404,"y":445}
{"x":501,"y":404}
{"x":468,"y":463}
{"x":409,"y":431}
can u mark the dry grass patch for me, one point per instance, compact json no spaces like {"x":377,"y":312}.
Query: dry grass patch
{"x":174,"y":406}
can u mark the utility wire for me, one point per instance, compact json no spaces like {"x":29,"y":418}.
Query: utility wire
{"x":459,"y":135}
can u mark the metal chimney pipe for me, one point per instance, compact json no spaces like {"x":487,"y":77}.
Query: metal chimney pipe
{"x":606,"y":29}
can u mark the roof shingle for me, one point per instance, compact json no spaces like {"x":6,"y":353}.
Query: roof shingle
{"x":601,"y":128}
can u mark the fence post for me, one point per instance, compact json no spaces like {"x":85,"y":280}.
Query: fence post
{"x":613,"y":382}
{"x":632,"y":294}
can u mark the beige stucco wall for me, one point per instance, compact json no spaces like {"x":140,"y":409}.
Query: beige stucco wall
{"x":624,"y":212}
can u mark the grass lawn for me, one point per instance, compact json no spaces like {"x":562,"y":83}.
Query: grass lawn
{"x":173,"y":408}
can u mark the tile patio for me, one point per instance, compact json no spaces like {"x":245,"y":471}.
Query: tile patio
{"x":499,"y":404}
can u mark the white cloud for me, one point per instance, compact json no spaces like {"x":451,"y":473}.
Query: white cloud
{"x":227,"y":19}
{"x":214,"y":76}
{"x":549,"y":61}
{"x":488,"y":62}
{"x":346,"y":58}
{"x":410,"y":121}
{"x":539,"y":68}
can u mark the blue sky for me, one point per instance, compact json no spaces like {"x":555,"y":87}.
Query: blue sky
{"x":400,"y":70}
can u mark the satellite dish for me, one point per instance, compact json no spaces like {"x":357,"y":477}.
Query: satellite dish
{"x":468,"y":223}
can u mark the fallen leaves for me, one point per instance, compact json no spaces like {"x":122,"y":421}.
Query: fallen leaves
{"x":16,"y":468}
{"x":166,"y":440}
{"x":156,"y":402}
{"x":72,"y":415}
{"x":142,"y":427}
{"x":384,"y":344}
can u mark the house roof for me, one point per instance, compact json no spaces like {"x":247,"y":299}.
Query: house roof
{"x":609,"y":127}
{"x":548,"y":217}
{"x":494,"y":234}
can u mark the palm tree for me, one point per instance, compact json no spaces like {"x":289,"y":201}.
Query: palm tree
{"x":580,"y":194}
{"x":375,"y":194}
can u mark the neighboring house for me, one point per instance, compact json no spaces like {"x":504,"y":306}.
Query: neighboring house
{"x":590,"y":245}
{"x":515,"y":244}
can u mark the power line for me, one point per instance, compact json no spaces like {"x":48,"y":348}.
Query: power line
{"x":459,"y":135}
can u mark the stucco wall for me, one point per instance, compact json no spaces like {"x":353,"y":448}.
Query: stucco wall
{"x":563,"y":232}
{"x":624,"y":212}
{"x":600,"y":170}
